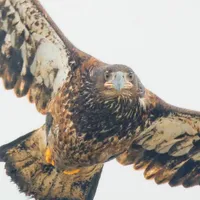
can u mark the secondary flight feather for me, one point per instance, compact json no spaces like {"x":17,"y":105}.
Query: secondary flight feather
{"x":94,"y":111}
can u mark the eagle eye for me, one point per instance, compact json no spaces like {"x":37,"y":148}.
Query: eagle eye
{"x":107,"y":75}
{"x":130,"y":76}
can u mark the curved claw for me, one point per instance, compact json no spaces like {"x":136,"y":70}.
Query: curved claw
{"x":71,"y":172}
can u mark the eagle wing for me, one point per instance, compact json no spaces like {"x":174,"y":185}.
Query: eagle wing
{"x":167,"y":145}
{"x":35,"y":57}
{"x":25,"y":165}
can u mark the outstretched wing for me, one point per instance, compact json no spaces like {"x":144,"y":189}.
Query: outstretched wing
{"x":35,"y":57}
{"x":167,"y":145}
{"x":24,"y":163}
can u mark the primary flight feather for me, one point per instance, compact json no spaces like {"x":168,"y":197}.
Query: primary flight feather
{"x":94,"y":111}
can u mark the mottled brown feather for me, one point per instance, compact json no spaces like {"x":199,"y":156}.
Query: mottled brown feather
{"x":167,"y":145}
{"x":26,"y":33}
{"x":25,"y":165}
{"x":88,"y":124}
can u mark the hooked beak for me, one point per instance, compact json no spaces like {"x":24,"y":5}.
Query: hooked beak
{"x":119,"y":82}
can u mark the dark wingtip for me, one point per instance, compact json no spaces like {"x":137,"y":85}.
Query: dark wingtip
{"x":4,"y":148}
{"x":2,"y":153}
{"x":94,"y":185}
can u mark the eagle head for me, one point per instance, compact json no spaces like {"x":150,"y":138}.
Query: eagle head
{"x":117,"y":82}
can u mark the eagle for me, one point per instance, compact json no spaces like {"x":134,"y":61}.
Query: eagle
{"x":95,"y":112}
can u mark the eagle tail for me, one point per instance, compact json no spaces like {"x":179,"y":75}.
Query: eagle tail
{"x":26,"y":165}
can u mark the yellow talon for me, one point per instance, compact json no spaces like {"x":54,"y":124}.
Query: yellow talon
{"x":48,"y":157}
{"x":75,"y":171}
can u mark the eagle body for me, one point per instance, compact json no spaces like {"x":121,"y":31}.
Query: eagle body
{"x":94,"y":111}
{"x":91,"y":129}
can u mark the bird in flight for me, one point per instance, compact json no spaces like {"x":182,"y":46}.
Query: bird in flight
{"x":95,"y":112}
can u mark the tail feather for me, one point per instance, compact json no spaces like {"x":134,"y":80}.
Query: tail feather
{"x":26,"y":166}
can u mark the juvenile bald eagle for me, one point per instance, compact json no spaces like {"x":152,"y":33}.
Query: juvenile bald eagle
{"x":94,"y":111}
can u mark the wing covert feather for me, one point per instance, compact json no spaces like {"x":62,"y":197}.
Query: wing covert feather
{"x":167,"y":146}
{"x":35,"y":56}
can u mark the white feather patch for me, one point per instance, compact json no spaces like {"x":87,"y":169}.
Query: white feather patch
{"x":48,"y":66}
{"x":143,"y":103}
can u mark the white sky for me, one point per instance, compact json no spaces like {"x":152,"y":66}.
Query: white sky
{"x":160,"y":40}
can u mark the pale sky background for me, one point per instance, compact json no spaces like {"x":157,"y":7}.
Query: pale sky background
{"x":160,"y":40}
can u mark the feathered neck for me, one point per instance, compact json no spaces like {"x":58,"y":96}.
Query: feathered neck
{"x":93,"y":114}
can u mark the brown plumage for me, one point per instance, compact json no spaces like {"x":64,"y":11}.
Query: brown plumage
{"x":94,"y":111}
